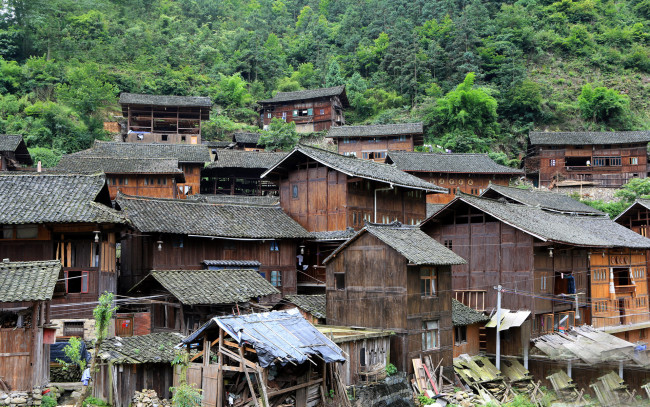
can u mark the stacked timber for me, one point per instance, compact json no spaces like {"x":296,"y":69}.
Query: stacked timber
{"x":148,"y":398}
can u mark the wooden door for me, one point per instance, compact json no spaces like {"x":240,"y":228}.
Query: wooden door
{"x":124,"y":326}
{"x":210,"y":385}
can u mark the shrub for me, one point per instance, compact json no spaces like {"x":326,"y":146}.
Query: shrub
{"x":186,"y":396}
{"x":94,"y":402}
{"x":391,"y":369}
{"x":48,"y":401}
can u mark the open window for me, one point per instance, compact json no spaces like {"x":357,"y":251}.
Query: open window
{"x":460,"y":334}
{"x":76,"y":281}
{"x":428,"y":281}
{"x":73,"y":328}
{"x":339,"y":281}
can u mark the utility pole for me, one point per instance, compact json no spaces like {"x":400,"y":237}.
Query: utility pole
{"x":498,"y":364}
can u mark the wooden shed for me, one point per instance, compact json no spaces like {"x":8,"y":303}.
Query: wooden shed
{"x":395,"y":277}
{"x":13,"y":153}
{"x":135,"y":363}
{"x":468,"y":322}
{"x":271,"y":357}
{"x":26,"y":290}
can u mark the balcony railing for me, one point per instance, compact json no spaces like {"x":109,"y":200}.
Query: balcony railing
{"x":313,"y":276}
{"x":472,"y":298}
{"x":624,"y":289}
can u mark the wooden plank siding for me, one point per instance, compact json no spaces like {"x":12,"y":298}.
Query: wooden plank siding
{"x":140,"y":255}
{"x":382,"y":292}
{"x":329,"y":200}
{"x":163,"y":185}
{"x":318,"y":121}
{"x":360,"y":145}
{"x":130,"y":378}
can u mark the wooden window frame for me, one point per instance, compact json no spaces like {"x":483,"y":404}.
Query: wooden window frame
{"x":339,"y":281}
{"x":295,"y":193}
{"x":552,"y":162}
{"x":276,"y":278}
{"x":430,"y":334}
{"x":428,"y":282}
{"x":274,"y":246}
{"x":85,"y":280}
{"x":460,"y":335}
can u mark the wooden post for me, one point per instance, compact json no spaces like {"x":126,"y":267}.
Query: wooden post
{"x":248,"y":379}
{"x":262,"y":383}
{"x":220,"y":371}
{"x":206,"y":351}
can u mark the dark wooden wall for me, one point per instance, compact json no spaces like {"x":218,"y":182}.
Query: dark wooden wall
{"x":135,"y":185}
{"x":140,"y":255}
{"x":330,"y":200}
{"x":374,"y":144}
{"x":132,"y":378}
{"x":381,"y":291}
{"x":612,"y":176}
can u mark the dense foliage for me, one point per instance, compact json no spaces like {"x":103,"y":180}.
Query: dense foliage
{"x":480,"y":74}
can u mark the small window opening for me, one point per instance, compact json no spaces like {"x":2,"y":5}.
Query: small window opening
{"x":339,"y":281}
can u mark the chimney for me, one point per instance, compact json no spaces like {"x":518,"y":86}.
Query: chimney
{"x":38,"y":166}
{"x":5,"y":260}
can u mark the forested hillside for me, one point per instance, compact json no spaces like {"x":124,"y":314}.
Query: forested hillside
{"x":480,"y":74}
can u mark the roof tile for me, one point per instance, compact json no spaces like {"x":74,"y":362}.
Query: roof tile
{"x":28,"y":280}
{"x":153,"y":348}
{"x":543,"y":199}
{"x":305,"y":94}
{"x":588,"y":137}
{"x":184,"y":153}
{"x":164,"y":100}
{"x":375,"y":130}
{"x":314,"y":304}
{"x":452,"y":163}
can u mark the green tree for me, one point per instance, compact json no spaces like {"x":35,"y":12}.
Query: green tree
{"x":279,"y":136}
{"x":103,"y":314}
{"x":47,"y":157}
{"x":635,"y":188}
{"x":334,"y":77}
{"x":73,"y":351}
{"x":233,"y":91}
{"x":603,"y":105}
{"x":466,"y":117}
{"x":86,"y":90}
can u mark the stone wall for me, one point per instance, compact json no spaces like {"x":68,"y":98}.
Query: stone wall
{"x":393,"y":391}
{"x":26,"y":399}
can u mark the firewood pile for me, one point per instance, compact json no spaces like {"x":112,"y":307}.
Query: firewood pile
{"x":148,"y":398}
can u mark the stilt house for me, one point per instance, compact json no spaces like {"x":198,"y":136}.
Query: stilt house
{"x":13,"y":153}
{"x":373,"y":142}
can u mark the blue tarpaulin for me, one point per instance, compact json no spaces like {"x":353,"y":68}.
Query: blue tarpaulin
{"x":56,"y":352}
{"x":277,"y":337}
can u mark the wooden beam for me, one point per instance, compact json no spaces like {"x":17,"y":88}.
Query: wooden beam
{"x":292,"y":388}
{"x":248,"y":378}
{"x":201,"y":353}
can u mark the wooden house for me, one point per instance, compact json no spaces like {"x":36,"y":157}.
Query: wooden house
{"x":237,"y":172}
{"x":186,"y":299}
{"x":325,"y":191}
{"x":67,"y":218}
{"x":191,"y":160}
{"x":366,"y":352}
{"x":601,"y":159}
{"x":127,"y":365}
{"x":247,"y":141}
{"x":283,"y":354}
{"x":13,"y":153}
{"x":312,"y":307}
{"x":151,"y":177}
{"x":373,"y":142}
{"x":467,"y":173}
{"x":544,"y":258}
{"x":395,"y":277}
{"x":26,"y":290}
{"x":163,"y":118}
{"x":467,"y":322}
{"x":312,"y":110}
{"x":312,"y":274}
{"x":173,"y":234}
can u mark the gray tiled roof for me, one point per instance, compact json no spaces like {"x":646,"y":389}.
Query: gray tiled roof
{"x":245,"y":159}
{"x":314,"y":304}
{"x":334,"y":234}
{"x":412,"y":243}
{"x":54,"y":198}
{"x":229,"y":263}
{"x":452,"y":163}
{"x":184,"y":153}
{"x":355,"y":167}
{"x":236,"y":199}
{"x":179,"y":216}
{"x":247,"y":138}
{"x":433,"y":208}
{"x":305,"y":94}
{"x":462,"y":315}
{"x":153,"y":348}
{"x":116,"y":165}
{"x":193,"y":287}
{"x":28,"y":280}
{"x":218,"y":144}
{"x":586,"y":231}
{"x":375,"y":130}
{"x":544,"y":199}
{"x":588,"y":137}
{"x":165,"y":100}
{"x":10,"y":142}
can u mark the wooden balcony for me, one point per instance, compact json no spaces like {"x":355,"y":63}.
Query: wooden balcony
{"x":624,"y":289}
{"x":472,"y":298}
{"x":314,"y":276}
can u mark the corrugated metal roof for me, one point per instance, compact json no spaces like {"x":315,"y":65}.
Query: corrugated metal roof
{"x":509,"y":319}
